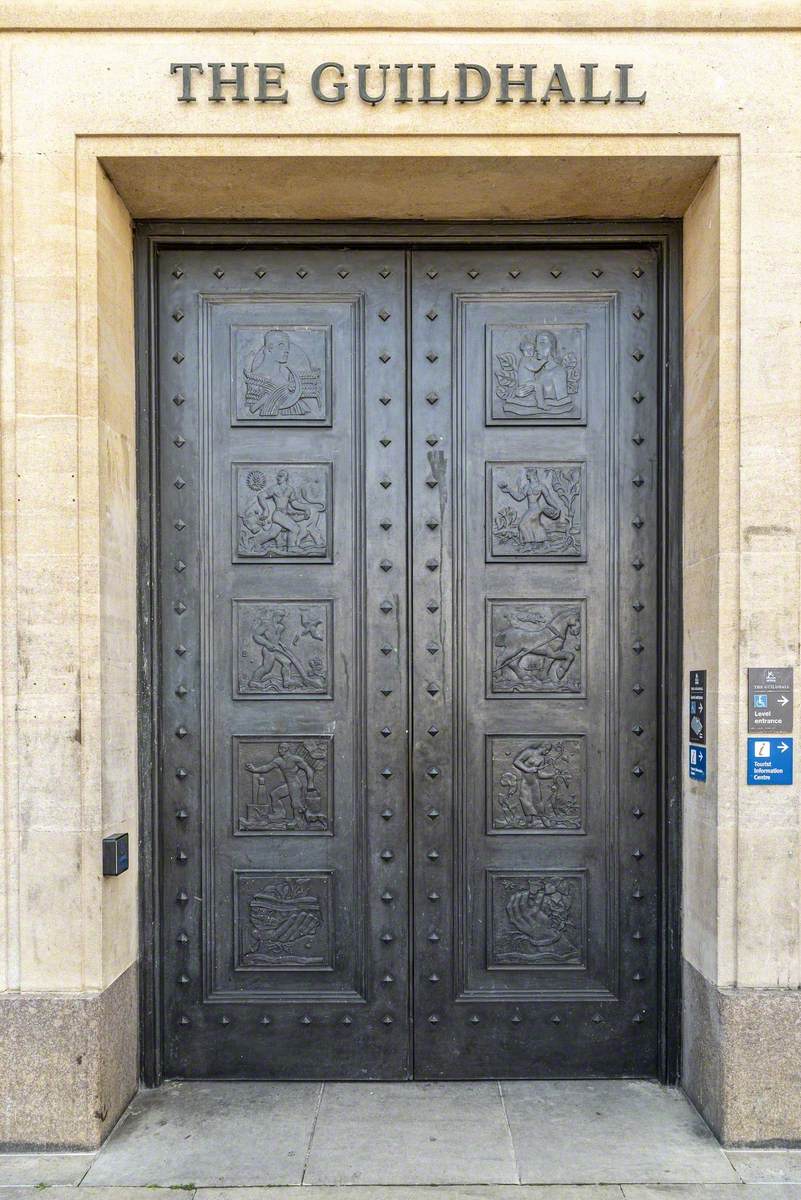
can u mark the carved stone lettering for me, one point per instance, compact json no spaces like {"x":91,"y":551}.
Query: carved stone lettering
{"x":535,"y":374}
{"x":535,"y":647}
{"x":536,"y":919}
{"x":535,"y":511}
{"x":283,"y":648}
{"x":284,"y":920}
{"x":283,"y":785}
{"x":535,"y":784}
{"x":282,"y":511}
{"x":282,"y":374}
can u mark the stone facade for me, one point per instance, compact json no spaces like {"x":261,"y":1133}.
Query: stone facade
{"x":94,"y":137}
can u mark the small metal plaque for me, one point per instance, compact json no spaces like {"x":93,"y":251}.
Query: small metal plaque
{"x":697,"y":708}
{"x":770,"y":699}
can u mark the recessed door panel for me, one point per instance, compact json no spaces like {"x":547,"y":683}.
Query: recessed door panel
{"x":283,"y":660}
{"x":533,"y":449}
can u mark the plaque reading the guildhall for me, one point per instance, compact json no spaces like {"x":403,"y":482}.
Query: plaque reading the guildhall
{"x":412,"y":83}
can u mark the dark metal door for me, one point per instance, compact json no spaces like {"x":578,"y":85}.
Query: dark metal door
{"x":534,"y":486}
{"x":528,"y":387}
{"x":283,"y":663}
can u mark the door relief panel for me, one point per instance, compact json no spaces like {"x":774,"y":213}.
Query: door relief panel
{"x":281,"y":374}
{"x":284,"y":649}
{"x":284,"y":922}
{"x":534,"y":374}
{"x":282,"y":512}
{"x":283,"y":785}
{"x":534,"y":647}
{"x":536,"y":784}
{"x":535,"y":511}
{"x":536,"y":920}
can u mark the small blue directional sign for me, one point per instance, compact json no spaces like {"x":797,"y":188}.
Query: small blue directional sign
{"x":698,"y":763}
{"x":770,"y":760}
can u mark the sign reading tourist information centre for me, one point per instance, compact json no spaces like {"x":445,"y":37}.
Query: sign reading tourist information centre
{"x":411,"y":83}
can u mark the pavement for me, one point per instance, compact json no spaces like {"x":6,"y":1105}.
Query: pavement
{"x":607,"y":1140}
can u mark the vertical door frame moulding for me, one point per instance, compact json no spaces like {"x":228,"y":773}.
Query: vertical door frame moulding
{"x":662,"y":236}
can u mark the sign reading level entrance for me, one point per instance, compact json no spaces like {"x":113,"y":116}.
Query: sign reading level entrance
{"x":518,"y":511}
{"x":770,"y":699}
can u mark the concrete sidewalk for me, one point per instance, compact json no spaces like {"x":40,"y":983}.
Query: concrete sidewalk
{"x":410,"y":1141}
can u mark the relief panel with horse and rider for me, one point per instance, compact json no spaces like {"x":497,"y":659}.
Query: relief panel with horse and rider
{"x":535,"y":511}
{"x":282,"y":512}
{"x":534,"y":647}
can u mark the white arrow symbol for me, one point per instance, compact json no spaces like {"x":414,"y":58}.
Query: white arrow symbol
{"x":783,"y":700}
{"x":783,"y":746}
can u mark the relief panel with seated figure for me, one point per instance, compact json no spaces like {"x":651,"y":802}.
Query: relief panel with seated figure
{"x":535,"y":511}
{"x":282,"y":511}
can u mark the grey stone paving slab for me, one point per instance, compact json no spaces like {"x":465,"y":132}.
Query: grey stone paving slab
{"x":620,"y":1131}
{"x":59,"y":1192}
{"x":712,"y":1191}
{"x":393,"y":1192}
{"x":213,"y":1134}
{"x":767,"y":1166}
{"x":411,"y":1133}
{"x":29,"y":1169}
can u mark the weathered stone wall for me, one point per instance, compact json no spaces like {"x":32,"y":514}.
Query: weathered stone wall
{"x":92,"y":135}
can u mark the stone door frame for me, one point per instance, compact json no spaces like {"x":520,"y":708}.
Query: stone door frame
{"x":665,"y":237}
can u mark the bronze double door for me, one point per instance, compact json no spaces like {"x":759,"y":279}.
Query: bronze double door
{"x":409,"y":642}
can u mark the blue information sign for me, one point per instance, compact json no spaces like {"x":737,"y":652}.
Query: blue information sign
{"x":770,"y":760}
{"x":698,"y":763}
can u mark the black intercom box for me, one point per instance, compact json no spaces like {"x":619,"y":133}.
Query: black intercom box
{"x":115,"y":854}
